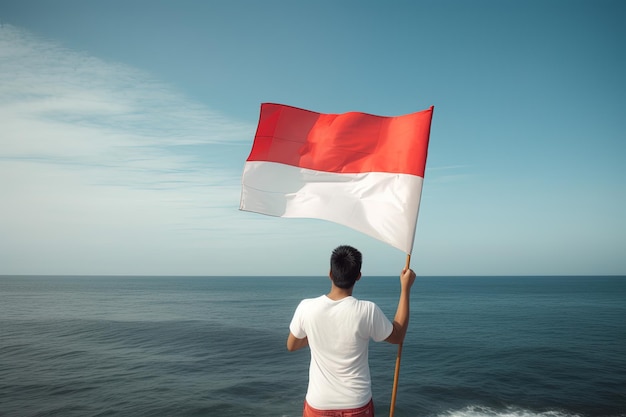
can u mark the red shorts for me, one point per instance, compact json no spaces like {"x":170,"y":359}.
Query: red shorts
{"x":365,"y":411}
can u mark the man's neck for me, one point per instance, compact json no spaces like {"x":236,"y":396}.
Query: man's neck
{"x":337,"y":293}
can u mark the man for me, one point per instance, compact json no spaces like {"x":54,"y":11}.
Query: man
{"x":337,"y":328}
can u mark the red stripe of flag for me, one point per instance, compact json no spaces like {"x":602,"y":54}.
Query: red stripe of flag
{"x":344,"y":143}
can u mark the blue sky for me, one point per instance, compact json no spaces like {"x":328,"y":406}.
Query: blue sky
{"x":124,"y":127}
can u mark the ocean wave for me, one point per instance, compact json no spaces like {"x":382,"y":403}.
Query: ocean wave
{"x":481,"y":411}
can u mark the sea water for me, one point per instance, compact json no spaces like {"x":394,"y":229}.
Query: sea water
{"x":215,"y":346}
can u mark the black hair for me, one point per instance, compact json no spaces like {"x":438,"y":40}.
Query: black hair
{"x":345,"y":266}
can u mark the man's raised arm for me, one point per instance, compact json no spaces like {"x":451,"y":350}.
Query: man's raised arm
{"x":401,"y":320}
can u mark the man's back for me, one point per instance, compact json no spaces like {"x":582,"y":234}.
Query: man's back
{"x":338,"y":333}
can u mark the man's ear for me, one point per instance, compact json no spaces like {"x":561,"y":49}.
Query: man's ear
{"x":358,"y":278}
{"x":330,"y":274}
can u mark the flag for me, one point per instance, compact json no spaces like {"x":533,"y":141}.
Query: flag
{"x":359,"y":170}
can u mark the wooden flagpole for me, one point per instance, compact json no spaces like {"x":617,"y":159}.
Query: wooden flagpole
{"x":392,"y":408}
{"x":396,"y":375}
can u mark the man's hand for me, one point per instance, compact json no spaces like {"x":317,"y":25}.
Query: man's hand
{"x":407,"y":278}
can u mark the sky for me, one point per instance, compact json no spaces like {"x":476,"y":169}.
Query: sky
{"x":125,"y":125}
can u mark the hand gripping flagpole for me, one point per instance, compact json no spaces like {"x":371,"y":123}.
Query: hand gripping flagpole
{"x":396,"y":375}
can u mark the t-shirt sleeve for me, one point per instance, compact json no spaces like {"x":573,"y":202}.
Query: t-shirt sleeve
{"x":381,"y":326}
{"x":296,"y":326}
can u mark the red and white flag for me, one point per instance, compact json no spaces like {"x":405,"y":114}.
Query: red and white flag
{"x":359,"y":170}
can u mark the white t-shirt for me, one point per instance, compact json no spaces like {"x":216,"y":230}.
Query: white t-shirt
{"x":338,"y":333}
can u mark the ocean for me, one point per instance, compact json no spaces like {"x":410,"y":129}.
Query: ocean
{"x":215,"y":346}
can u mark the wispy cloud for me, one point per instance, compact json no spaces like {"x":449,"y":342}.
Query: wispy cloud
{"x":100,"y":149}
{"x":448,"y":174}
{"x":56,"y":102}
